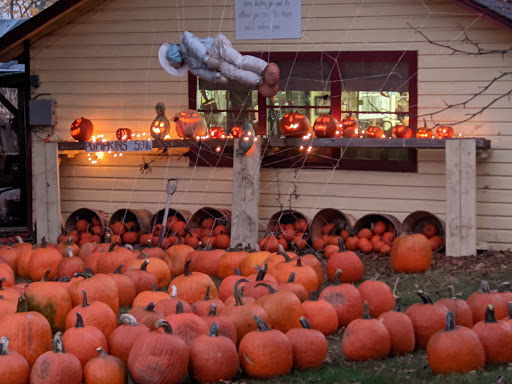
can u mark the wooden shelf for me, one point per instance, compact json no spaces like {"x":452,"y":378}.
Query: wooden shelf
{"x":481,"y":143}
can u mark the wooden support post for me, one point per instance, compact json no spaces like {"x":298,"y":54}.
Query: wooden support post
{"x":45,"y":159}
{"x":246,"y":196}
{"x":460,"y":197}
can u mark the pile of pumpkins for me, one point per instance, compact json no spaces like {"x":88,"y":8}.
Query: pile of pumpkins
{"x":267,"y":315}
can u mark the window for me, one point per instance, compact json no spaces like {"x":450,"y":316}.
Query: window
{"x":377,"y":88}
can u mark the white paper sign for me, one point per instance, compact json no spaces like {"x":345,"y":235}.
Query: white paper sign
{"x":119,"y":146}
{"x":267,"y":19}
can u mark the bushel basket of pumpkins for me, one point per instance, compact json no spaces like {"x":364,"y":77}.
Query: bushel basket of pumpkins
{"x":289,"y":229}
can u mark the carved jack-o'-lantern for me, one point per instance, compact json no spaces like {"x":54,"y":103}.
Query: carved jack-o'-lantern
{"x":375,"y":132}
{"x":424,"y":132}
{"x":217,"y":133}
{"x":326,"y":126}
{"x":350,"y":126}
{"x":236,"y":131}
{"x":81,"y":129}
{"x":294,"y":124}
{"x":401,"y":132}
{"x":444,"y":132}
{"x":124,"y":134}
{"x":190,"y":123}
{"x":160,"y":126}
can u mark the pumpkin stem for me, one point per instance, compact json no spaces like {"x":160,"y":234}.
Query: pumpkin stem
{"x":262,"y":272}
{"x":89,"y":272}
{"x":81,"y":274}
{"x":186,"y":270}
{"x":101,"y":352}
{"x":64,"y":279}
{"x":485,"y":287}
{"x":85,"y":303}
{"x":108,"y":237}
{"x":213,"y":310}
{"x":144,"y":266}
{"x":4,"y":345}
{"x":291,"y":279}
{"x":237,"y":292}
{"x":174,"y":292}
{"x":341,"y":245}
{"x":154,"y":288}
{"x":46,"y":274}
{"x":503,"y":287}
{"x":451,"y":289}
{"x":214,"y":329}
{"x":424,"y":298}
{"x":237,"y":272}
{"x":398,"y":304}
{"x":510,"y":309}
{"x":268,"y":286}
{"x":19,"y":240}
{"x":150,"y":307}
{"x":43,"y":242}
{"x":313,"y":295}
{"x":69,"y":241}
{"x":179,"y":307}
{"x":128,"y":319}
{"x":304,"y":323}
{"x":285,"y":255}
{"x":58,"y":345}
{"x":262,"y":326}
{"x":366,"y":310}
{"x":450,"y":321}
{"x":144,"y":255}
{"x":490,"y":317}
{"x":69,"y":252}
{"x":299,"y":262}
{"x":298,"y":250}
{"x":165,"y":325}
{"x":2,"y":283}
{"x":207,"y":294}
{"x":118,"y":269}
{"x":129,"y":246}
{"x":337,"y":277}
{"x":79,"y":321}
{"x":395,"y":286}
{"x":112,"y":247}
{"x":22,"y":304}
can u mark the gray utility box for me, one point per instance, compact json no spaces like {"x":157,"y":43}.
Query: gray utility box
{"x":42,"y":112}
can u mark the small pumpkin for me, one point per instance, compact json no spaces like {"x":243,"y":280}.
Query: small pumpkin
{"x":190,"y":124}
{"x":401,"y":132}
{"x":124,"y":134}
{"x":14,"y":368}
{"x":105,"y":368}
{"x":82,"y":129}
{"x":294,"y":124}
{"x":217,"y":133}
{"x":400,"y":328}
{"x":122,"y":339}
{"x":495,"y":336}
{"x":326,"y":125}
{"x":309,"y":346}
{"x":444,"y":132}
{"x":424,"y":132}
{"x":349,"y":126}
{"x":375,"y":132}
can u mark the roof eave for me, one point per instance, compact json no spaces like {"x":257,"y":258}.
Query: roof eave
{"x":494,"y":17}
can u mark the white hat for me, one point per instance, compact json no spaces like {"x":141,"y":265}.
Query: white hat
{"x":164,"y":62}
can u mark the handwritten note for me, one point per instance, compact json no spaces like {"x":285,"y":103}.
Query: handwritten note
{"x":267,"y":19}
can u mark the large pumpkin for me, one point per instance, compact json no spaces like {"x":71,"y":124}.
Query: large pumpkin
{"x":81,"y":129}
{"x":326,"y":126}
{"x":294,"y":124}
{"x":411,"y":254}
{"x":190,"y":124}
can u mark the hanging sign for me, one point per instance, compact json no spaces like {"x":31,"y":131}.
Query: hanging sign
{"x":119,"y":146}
{"x":268,"y":19}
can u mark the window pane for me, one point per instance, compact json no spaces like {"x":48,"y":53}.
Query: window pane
{"x":374,"y":76}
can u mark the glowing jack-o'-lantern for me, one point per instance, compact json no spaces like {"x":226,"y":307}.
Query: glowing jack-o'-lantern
{"x":326,"y":126}
{"x":246,"y":141}
{"x":160,"y":126}
{"x":424,"y":132}
{"x":350,"y":126}
{"x":401,"y":132}
{"x":375,"y":132}
{"x":294,"y":124}
{"x":236,"y":131}
{"x":124,"y":134}
{"x":81,"y":129}
{"x":444,"y":132}
{"x":217,"y":133}
{"x":190,"y":123}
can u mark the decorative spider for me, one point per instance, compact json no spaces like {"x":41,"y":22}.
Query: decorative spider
{"x":146,"y":167}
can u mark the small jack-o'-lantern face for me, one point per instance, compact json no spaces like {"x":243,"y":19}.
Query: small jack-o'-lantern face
{"x":160,"y":126}
{"x":190,"y":123}
{"x":236,"y":131}
{"x":375,"y":132}
{"x":326,"y":126}
{"x":424,"y":133}
{"x":349,"y":126}
{"x":444,"y":132}
{"x":217,"y":133}
{"x":401,"y":132}
{"x":294,"y":124}
{"x":124,"y":134}
{"x":81,"y":129}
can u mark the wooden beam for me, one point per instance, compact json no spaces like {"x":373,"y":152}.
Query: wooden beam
{"x":246,"y":196}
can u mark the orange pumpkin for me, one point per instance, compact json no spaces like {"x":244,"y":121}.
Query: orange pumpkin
{"x":217,"y":133}
{"x":294,"y":124}
{"x":375,"y":132}
{"x":349,"y":125}
{"x":401,"y":132}
{"x":444,"y":132}
{"x":190,"y":123}
{"x":236,"y":131}
{"x":326,"y":126}
{"x":124,"y":134}
{"x":82,"y":129}
{"x":160,"y":126}
{"x":424,"y":133}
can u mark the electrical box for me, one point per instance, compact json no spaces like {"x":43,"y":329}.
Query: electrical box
{"x":42,"y":112}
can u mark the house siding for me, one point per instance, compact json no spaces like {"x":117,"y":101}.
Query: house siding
{"x":104,"y":66}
